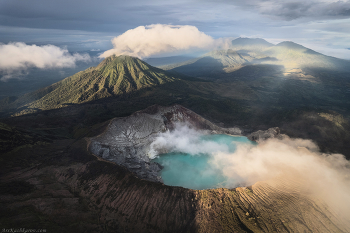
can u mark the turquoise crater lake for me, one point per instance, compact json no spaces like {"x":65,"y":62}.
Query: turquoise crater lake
{"x":196,"y":171}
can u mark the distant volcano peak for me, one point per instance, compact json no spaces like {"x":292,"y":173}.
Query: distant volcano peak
{"x":251,"y":41}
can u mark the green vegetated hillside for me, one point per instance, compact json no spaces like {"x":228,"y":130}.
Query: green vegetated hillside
{"x":36,"y":78}
{"x":112,"y":77}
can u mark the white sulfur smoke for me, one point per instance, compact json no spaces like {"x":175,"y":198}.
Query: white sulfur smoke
{"x":16,"y":58}
{"x":145,"y":41}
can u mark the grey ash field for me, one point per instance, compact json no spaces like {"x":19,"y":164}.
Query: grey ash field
{"x":55,"y":166}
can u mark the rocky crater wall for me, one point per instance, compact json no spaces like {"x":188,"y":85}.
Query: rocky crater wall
{"x":127,"y":140}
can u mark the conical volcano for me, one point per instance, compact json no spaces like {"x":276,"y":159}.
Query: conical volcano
{"x":116,"y":75}
{"x":122,"y":74}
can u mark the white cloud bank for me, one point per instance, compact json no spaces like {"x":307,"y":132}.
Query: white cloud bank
{"x":17,"y":57}
{"x":145,"y":41}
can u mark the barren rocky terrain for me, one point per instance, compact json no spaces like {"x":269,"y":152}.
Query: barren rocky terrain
{"x":84,"y":192}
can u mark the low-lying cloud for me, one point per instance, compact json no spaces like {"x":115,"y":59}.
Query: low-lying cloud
{"x":145,"y":41}
{"x":16,"y":58}
{"x":288,"y":162}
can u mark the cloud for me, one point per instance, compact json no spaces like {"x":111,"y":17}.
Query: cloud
{"x":145,"y":41}
{"x":309,"y":9}
{"x":66,"y":21}
{"x":295,"y":9}
{"x":16,"y":58}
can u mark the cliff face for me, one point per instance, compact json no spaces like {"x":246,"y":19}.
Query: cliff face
{"x":126,"y":141}
{"x":63,"y":187}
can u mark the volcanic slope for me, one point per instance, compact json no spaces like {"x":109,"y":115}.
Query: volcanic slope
{"x":116,"y":75}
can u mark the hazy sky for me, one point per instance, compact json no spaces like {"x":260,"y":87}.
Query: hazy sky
{"x":323,"y":25}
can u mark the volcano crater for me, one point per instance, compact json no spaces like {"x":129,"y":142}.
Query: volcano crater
{"x":127,"y":141}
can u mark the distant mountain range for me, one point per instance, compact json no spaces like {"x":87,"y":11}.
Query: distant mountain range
{"x":287,"y":56}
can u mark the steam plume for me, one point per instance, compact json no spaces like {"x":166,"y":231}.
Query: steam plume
{"x":279,"y":162}
{"x":15,"y":58}
{"x":145,"y":41}
{"x":288,"y":161}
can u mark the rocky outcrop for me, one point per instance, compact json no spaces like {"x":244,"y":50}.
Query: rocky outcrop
{"x":262,"y":135}
{"x":126,"y":141}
